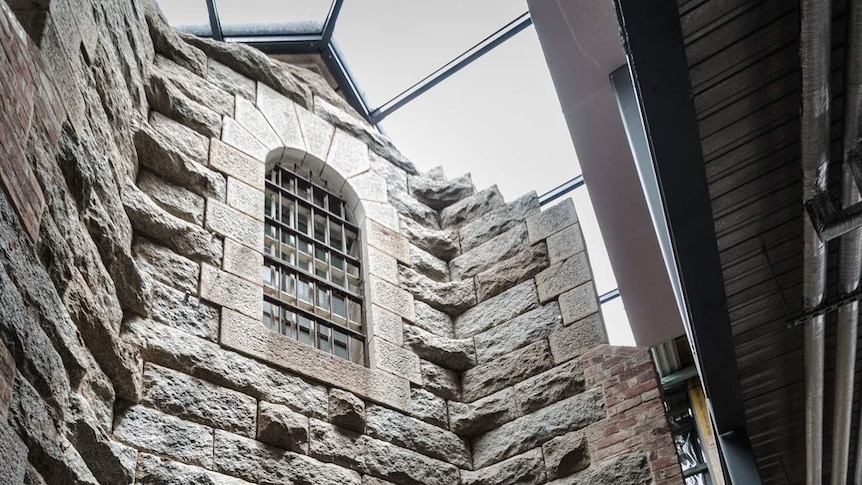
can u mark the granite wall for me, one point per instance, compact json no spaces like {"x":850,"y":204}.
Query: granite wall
{"x":132,"y":348}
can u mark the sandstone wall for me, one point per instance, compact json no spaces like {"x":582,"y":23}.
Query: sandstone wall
{"x":131,"y":236}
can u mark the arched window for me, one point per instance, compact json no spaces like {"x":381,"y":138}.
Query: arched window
{"x":311,"y":273}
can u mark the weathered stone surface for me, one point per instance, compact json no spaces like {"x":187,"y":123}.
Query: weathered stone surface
{"x":369,"y":186}
{"x":433,"y":320}
{"x":159,"y":154}
{"x":498,"y":221}
{"x":32,"y":477}
{"x":387,"y":325}
{"x":578,"y":302}
{"x":236,"y":135}
{"x":154,"y":470}
{"x":506,"y":371}
{"x":332,"y":444}
{"x":177,"y":200}
{"x":405,"y":467}
{"x":257,"y":462}
{"x":396,"y":177}
{"x":247,"y":115}
{"x":196,"y":87}
{"x":242,"y":261}
{"x":198,"y":401}
{"x":455,"y":354}
{"x":229,"y":160}
{"x":166,"y":266}
{"x":347,"y":155}
{"x":184,"y":312}
{"x":473,"y":419}
{"x":449,"y":296}
{"x":550,"y":386}
{"x":409,"y":207}
{"x":498,"y":309}
{"x":441,"y":243}
{"x":411,"y":433}
{"x":395,"y":360}
{"x":392,"y":298}
{"x":178,"y":137}
{"x":508,"y":273}
{"x":229,"y":291}
{"x":429,"y":265}
{"x":532,"y":430}
{"x":280,"y":112}
{"x":522,"y":330}
{"x":472,"y":207}
{"x":180,"y":351}
{"x":440,"y":381}
{"x":389,"y":241}
{"x":7,"y":379}
{"x":506,"y":245}
{"x":428,"y":407}
{"x":624,"y":470}
{"x":230,"y":80}
{"x":551,"y":221}
{"x":316,"y":132}
{"x":382,"y":265}
{"x":437,"y":193}
{"x":382,"y":213}
{"x":108,"y":460}
{"x":165,"y":96}
{"x":566,"y":243}
{"x":158,"y":225}
{"x":168,"y":43}
{"x":369,"y":480}
{"x":231,"y":223}
{"x":564,"y":276}
{"x":165,"y":435}
{"x":571,"y":341}
{"x":346,"y":410}
{"x":14,"y":452}
{"x":566,"y":454}
{"x":277,"y":425}
{"x":245,"y":198}
{"x":526,"y":468}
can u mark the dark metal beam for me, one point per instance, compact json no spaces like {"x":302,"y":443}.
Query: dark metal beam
{"x":654,"y":47}
{"x":215,"y":21}
{"x":345,"y":81}
{"x":561,"y":190}
{"x":331,"y":18}
{"x":453,"y":66}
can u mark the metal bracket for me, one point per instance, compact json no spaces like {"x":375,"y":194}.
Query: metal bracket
{"x":830,"y":305}
{"x":829,"y":222}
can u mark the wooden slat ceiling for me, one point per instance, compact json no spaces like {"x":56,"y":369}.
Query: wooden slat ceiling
{"x":744,"y":72}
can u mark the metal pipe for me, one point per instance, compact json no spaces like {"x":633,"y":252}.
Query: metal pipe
{"x":815,"y":42}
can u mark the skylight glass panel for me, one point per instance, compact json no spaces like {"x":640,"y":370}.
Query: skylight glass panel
{"x":617,"y":323}
{"x":188,"y":16}
{"x":498,"y":118}
{"x":391,"y":44}
{"x":272,"y":18}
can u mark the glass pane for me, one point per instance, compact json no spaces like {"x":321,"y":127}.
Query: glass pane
{"x":339,"y":344}
{"x":320,"y":228}
{"x":357,"y":351}
{"x":323,"y":338}
{"x":304,"y":326}
{"x":319,"y":198}
{"x":271,"y":203}
{"x":189,"y":16}
{"x":352,"y":242}
{"x":288,"y":323}
{"x":287,"y":212}
{"x":322,"y":301}
{"x":335,"y":207}
{"x":599,"y":260}
{"x":335,"y":239}
{"x":337,"y":262}
{"x":354,"y":310}
{"x":265,"y":17}
{"x":268,"y":320}
{"x":339,"y":308}
{"x":302,"y":220}
{"x":288,"y":252}
{"x":417,"y":37}
{"x":288,"y":284}
{"x":488,"y":138}
{"x":304,"y":290}
{"x":302,"y":189}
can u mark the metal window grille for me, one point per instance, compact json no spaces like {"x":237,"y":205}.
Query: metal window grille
{"x":311,"y":270}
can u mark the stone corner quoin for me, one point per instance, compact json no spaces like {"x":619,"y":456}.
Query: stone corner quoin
{"x":134,"y":350}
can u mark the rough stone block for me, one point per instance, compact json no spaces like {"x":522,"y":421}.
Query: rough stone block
{"x":247,"y":115}
{"x":562,"y":277}
{"x":281,"y":114}
{"x":257,"y":462}
{"x":369,"y":186}
{"x":233,"y":224}
{"x":550,"y":386}
{"x":184,"y":312}
{"x":437,"y":192}
{"x":392,"y":298}
{"x":165,"y":435}
{"x":346,"y":410}
{"x":455,"y":354}
{"x":441,"y":243}
{"x":380,"y":212}
{"x":235,"y":163}
{"x":177,"y":200}
{"x":440,"y":381}
{"x":429,"y":408}
{"x":245,"y":198}
{"x":506,"y":371}
{"x":229,"y":80}
{"x":433,"y":320}
{"x":551,"y":221}
{"x":510,"y":272}
{"x":387,"y":325}
{"x":506,"y":245}
{"x":158,"y":471}
{"x":526,"y":468}
{"x":190,"y":143}
{"x":483,"y":415}
{"x":407,"y":206}
{"x":166,"y":266}
{"x":411,"y":433}
{"x":578,"y":303}
{"x":450,"y":296}
{"x":382,"y":265}
{"x":316,"y":132}
{"x":394,"y":359}
{"x":230,"y":291}
{"x":566,"y":243}
{"x":473,"y":207}
{"x":429,"y":265}
{"x":566,"y":454}
{"x":498,"y":221}
{"x":198,"y":401}
{"x":234,"y":134}
{"x":571,"y":341}
{"x":532,"y":430}
{"x":518,"y":332}
{"x":406,"y":467}
{"x":625,"y":469}
{"x":396,"y":177}
{"x":14,"y":452}
{"x":277,"y":425}
{"x":242,"y":261}
{"x":498,"y":309}
{"x":7,"y":379}
{"x":347,"y":155}
{"x":206,"y":360}
{"x":332,"y":444}
{"x":388,"y":241}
